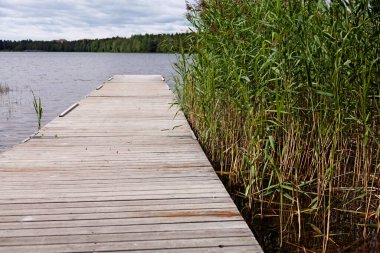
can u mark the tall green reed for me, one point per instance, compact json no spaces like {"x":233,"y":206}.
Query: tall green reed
{"x":38,"y":109}
{"x":285,"y":95}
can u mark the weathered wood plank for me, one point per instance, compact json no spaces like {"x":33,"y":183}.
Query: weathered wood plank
{"x":120,"y":172}
{"x":98,"y":205}
{"x":135,"y":245}
{"x":158,"y":227}
{"x":114,"y":197}
{"x":51,"y":218}
{"x":38,"y":213}
{"x":117,"y":237}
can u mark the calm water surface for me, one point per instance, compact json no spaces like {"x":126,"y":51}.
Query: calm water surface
{"x":60,"y":79}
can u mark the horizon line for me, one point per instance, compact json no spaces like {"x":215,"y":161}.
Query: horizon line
{"x":104,"y":38}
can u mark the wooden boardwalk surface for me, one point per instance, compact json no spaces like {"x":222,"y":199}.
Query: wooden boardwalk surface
{"x":121,"y":172}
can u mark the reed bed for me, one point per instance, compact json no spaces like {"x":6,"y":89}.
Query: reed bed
{"x":284,"y":96}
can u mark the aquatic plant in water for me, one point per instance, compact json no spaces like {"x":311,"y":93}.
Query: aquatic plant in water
{"x":38,"y":109}
{"x":284,"y":96}
{"x":4,"y":88}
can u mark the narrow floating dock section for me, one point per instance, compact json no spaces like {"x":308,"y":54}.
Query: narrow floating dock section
{"x":118,"y":172}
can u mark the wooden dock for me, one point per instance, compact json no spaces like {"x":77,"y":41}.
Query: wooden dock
{"x":120,"y":172}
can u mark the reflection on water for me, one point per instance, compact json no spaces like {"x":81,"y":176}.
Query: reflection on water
{"x":60,"y":79}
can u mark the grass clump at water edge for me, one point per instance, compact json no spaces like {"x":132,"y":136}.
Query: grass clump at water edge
{"x":285,"y":96}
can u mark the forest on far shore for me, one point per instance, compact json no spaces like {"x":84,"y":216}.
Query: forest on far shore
{"x":153,"y":43}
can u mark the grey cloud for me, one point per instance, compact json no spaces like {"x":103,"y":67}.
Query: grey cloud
{"x":22,"y":19}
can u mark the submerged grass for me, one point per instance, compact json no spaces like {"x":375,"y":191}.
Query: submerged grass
{"x":285,"y":96}
{"x":4,"y":88}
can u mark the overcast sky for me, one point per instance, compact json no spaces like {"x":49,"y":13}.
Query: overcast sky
{"x":80,"y":19}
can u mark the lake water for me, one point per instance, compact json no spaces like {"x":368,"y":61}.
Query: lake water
{"x":61,"y":79}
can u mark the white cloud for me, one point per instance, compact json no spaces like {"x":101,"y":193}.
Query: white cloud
{"x":77,"y":19}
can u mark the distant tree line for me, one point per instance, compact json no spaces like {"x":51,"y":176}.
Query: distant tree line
{"x":160,"y":43}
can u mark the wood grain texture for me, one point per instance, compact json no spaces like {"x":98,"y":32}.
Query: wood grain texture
{"x":120,"y":172}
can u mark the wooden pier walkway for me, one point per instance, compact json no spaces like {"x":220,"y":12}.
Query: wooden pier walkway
{"x":121,"y":172}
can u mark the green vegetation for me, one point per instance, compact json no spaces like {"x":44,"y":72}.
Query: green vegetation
{"x":161,"y":43}
{"x":284,"y":96}
{"x":4,"y":88}
{"x":38,"y":109}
